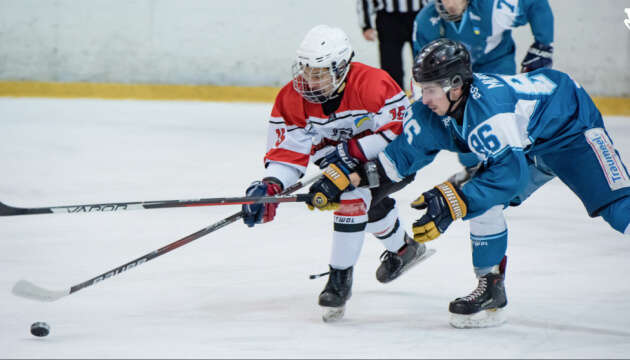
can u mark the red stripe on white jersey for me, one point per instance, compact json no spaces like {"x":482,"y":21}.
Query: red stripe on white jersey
{"x":287,"y":156}
{"x":354,"y":207}
{"x":394,"y":126}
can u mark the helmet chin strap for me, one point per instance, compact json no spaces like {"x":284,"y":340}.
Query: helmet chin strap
{"x":457,"y":112}
{"x":339,"y":90}
{"x":451,"y":103}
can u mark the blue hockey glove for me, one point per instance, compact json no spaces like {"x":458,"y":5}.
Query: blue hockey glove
{"x":341,"y":157}
{"x":327,"y":190}
{"x":261,"y":213}
{"x":538,"y":56}
{"x":444,"y":203}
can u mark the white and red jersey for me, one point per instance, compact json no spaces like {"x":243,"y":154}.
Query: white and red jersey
{"x":372,"y":110}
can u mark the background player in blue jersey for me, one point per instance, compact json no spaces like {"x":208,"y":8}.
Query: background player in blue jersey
{"x":484,"y":27}
{"x":525,"y":129}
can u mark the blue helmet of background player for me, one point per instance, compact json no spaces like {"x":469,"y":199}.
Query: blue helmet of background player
{"x":446,"y":63}
{"x":452,"y":11}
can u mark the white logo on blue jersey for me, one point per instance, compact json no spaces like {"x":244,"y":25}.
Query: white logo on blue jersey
{"x":474,"y":92}
{"x":411,"y":129}
{"x":616,"y":174}
{"x":489,"y":81}
{"x":446,"y":121}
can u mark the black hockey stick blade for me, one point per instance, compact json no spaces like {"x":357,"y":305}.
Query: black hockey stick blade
{"x":6,"y":210}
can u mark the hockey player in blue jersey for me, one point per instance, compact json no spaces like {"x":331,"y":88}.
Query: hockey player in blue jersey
{"x":525,"y":129}
{"x":484,"y":27}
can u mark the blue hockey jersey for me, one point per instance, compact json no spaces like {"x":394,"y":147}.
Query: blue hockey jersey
{"x":485,"y":30}
{"x":506,"y":118}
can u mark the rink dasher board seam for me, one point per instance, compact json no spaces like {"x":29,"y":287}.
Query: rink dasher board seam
{"x":608,"y":105}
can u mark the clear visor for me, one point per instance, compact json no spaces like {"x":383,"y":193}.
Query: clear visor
{"x":316,"y":85}
{"x":431,"y":90}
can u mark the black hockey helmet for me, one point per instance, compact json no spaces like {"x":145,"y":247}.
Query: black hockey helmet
{"x":443,"y":60}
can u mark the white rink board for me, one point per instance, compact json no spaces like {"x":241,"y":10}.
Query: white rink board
{"x":250,"y":43}
{"x":243,"y":292}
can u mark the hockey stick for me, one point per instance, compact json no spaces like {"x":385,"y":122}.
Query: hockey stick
{"x":27,"y":289}
{"x":6,"y":210}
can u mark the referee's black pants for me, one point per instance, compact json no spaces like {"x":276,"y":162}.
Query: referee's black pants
{"x":394,"y":30}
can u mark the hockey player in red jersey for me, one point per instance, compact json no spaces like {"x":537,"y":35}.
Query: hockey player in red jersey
{"x":338,"y":114}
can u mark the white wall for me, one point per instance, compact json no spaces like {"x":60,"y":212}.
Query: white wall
{"x":250,"y":42}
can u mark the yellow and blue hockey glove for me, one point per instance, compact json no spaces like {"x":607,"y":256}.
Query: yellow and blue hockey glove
{"x":444,"y":203}
{"x":327,"y":190}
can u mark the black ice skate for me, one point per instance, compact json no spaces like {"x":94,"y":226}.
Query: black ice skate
{"x":485,"y":306}
{"x":393,"y":264}
{"x":334,"y":296}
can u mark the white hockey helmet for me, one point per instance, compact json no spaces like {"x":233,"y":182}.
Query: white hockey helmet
{"x":322,"y":63}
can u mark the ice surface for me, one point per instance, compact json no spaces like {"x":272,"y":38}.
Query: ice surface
{"x":242,"y":292}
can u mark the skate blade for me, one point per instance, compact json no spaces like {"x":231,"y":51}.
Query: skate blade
{"x":332,"y":314}
{"x":482,"y":319}
{"x":427,"y":254}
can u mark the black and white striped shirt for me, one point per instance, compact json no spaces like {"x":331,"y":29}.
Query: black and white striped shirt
{"x":366,"y":8}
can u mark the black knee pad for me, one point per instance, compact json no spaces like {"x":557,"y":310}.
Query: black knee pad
{"x":381,"y":209}
{"x":382,"y":204}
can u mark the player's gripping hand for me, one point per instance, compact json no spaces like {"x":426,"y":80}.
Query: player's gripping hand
{"x":342,"y":156}
{"x":444,"y":203}
{"x":538,"y":56}
{"x":261,"y":213}
{"x":327,"y":190}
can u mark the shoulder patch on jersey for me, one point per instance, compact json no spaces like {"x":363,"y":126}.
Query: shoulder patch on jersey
{"x":359,"y":121}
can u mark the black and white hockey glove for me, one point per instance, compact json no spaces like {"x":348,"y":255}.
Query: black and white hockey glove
{"x":538,"y":56}
{"x":327,"y":190}
{"x":341,"y":157}
{"x":444,"y":203}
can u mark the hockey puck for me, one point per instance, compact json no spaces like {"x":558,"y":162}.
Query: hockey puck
{"x":40,"y":329}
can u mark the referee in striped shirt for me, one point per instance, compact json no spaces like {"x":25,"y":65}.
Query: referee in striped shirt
{"x":394,"y":27}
